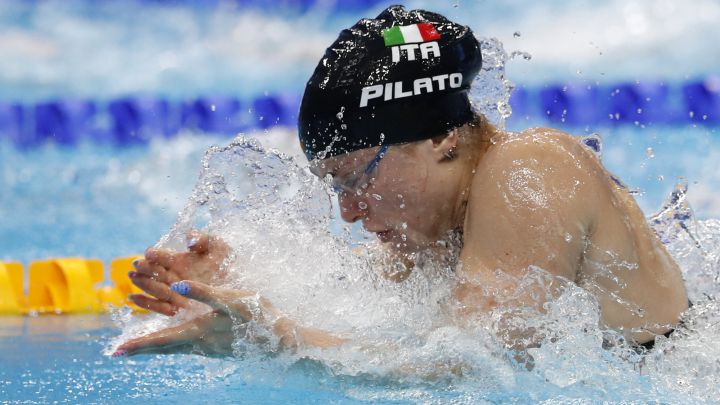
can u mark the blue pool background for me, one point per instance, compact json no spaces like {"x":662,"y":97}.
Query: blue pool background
{"x":106,"y":108}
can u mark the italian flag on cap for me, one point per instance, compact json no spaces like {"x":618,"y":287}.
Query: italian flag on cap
{"x":410,"y":34}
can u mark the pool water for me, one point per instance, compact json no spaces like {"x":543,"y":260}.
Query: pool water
{"x":59,"y":358}
{"x":95,"y":199}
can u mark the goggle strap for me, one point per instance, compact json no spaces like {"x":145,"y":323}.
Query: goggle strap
{"x":376,"y":160}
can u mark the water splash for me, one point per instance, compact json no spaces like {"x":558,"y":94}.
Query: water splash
{"x":490,"y":92}
{"x":406,"y":343}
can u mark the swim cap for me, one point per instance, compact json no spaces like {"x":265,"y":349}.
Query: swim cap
{"x":401,"y":77}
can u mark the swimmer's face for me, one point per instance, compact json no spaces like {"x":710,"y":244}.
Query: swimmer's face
{"x":395,"y":200}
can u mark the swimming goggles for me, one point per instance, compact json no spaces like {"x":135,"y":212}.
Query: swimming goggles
{"x":357,"y":182}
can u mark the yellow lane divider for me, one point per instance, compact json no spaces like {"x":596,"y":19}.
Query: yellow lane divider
{"x":65,"y":285}
{"x":12,"y":300}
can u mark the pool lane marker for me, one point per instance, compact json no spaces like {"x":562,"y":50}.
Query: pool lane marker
{"x":65,"y":286}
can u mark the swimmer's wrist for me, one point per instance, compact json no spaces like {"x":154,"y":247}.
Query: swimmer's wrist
{"x":286,"y":330}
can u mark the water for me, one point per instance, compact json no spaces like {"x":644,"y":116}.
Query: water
{"x":101,"y":202}
{"x":406,"y":352}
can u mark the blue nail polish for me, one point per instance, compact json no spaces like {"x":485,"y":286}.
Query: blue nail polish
{"x":181,"y":287}
{"x":192,"y":242}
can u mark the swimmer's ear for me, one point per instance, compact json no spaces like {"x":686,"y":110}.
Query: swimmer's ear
{"x":444,"y":146}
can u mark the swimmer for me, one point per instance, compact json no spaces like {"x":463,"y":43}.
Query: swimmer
{"x":386,"y":113}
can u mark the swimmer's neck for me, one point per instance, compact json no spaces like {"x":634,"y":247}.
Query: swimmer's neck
{"x":469,"y":154}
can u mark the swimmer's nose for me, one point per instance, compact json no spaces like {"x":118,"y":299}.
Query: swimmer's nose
{"x":352,"y":208}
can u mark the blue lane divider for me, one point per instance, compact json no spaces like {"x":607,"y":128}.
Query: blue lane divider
{"x":136,"y":120}
{"x":288,"y":5}
{"x":639,"y":103}
{"x":703,"y":101}
{"x":214,"y":114}
{"x":12,"y":123}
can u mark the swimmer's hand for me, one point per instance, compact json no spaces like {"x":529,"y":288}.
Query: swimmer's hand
{"x":161,"y":267}
{"x":212,"y":334}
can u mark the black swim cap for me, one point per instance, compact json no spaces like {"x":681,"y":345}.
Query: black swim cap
{"x":401,"y":77}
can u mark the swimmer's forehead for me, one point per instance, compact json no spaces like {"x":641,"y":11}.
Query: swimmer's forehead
{"x":342,"y":164}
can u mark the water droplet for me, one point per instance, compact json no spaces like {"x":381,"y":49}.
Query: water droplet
{"x":524,"y":55}
{"x":340,"y":114}
{"x":661,"y":177}
{"x":402,"y":205}
{"x":568,"y":237}
{"x":343,"y":126}
{"x":650,"y":153}
{"x":404,"y":225}
{"x":639,"y":110}
{"x":377,"y":197}
{"x":517,"y":34}
{"x":504,"y":109}
{"x":362,"y":205}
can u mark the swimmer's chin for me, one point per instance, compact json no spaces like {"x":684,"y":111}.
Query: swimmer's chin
{"x":397,"y":242}
{"x":385,"y":236}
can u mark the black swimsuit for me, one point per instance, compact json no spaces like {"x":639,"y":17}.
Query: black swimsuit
{"x":649,"y":345}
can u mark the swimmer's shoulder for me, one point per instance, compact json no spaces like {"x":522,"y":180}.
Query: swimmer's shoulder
{"x":539,"y":139}
{"x":535,"y":146}
{"x":540,"y":159}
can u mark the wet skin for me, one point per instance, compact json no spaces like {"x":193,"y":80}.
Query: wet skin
{"x":532,"y":198}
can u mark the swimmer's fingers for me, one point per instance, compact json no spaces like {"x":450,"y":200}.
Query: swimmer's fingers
{"x":152,"y":304}
{"x":224,"y":300}
{"x":208,"y":334}
{"x":203,"y":244}
{"x":163,"y":341}
{"x":162,"y":257}
{"x":198,"y":242}
{"x":154,"y":271}
{"x":159,"y":290}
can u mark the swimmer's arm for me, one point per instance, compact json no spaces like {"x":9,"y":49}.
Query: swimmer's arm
{"x":533,"y":206}
{"x":292,"y":335}
{"x":248,"y":306}
{"x":212,"y":334}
